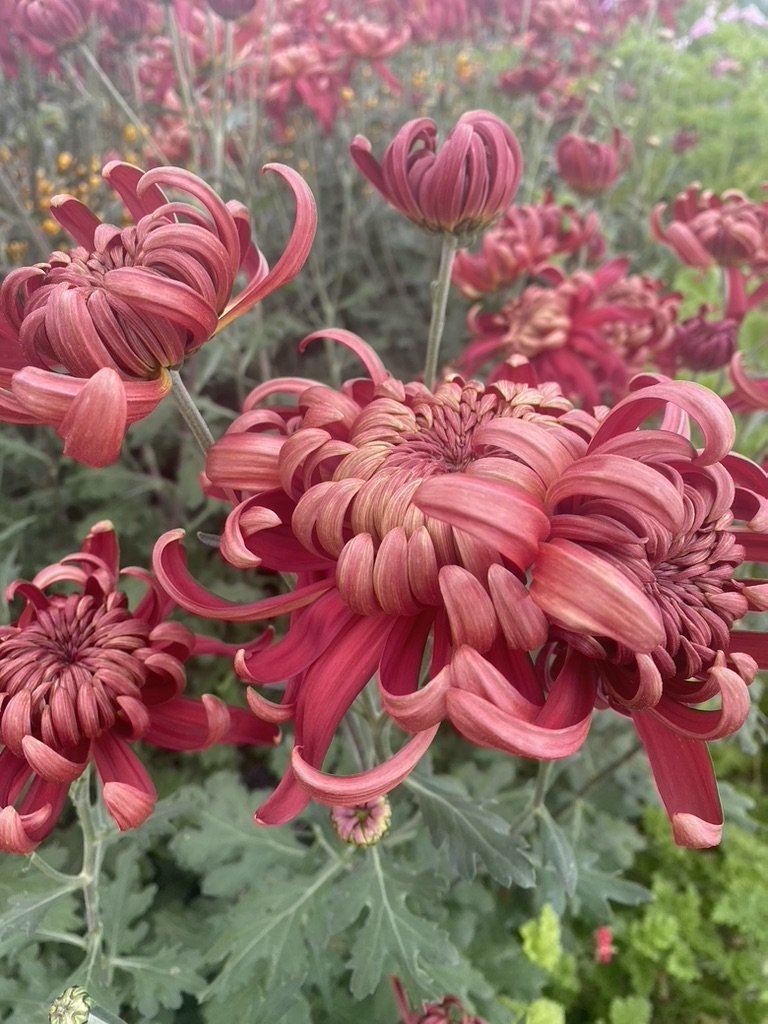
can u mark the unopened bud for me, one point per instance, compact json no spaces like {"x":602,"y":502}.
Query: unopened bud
{"x":73,"y":1006}
{"x":364,"y":824}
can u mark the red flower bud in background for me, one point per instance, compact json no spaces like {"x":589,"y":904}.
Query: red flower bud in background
{"x":58,"y":23}
{"x":462,"y":188}
{"x":592,"y":167}
{"x":604,"y":948}
{"x":702,"y":344}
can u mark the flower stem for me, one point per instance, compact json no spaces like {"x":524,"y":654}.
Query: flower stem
{"x":220,"y":120}
{"x":93,"y":857}
{"x":190,"y":413}
{"x":441,"y":287}
{"x":537,"y":799}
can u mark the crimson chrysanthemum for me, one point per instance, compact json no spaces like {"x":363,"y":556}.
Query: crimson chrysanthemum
{"x":591,"y":167}
{"x":588,"y":332}
{"x":415,"y":522}
{"x":83,"y":677}
{"x":87,"y":339}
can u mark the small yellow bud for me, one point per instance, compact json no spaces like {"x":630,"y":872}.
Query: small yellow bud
{"x":50,"y":227}
{"x":130,"y":134}
{"x":346,"y":93}
{"x":64,"y":161}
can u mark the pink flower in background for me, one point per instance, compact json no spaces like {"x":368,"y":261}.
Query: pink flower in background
{"x":525,"y":241}
{"x":604,"y":948}
{"x":57,"y":23}
{"x":591,"y":167}
{"x":86,"y":339}
{"x":448,"y":1011}
{"x":361,"y":39}
{"x":82,"y":678}
{"x":463,"y":187}
{"x":588,"y":332}
{"x":707,"y":230}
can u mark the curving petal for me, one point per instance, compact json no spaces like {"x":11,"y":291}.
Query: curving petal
{"x":682,"y":770}
{"x":580,"y":590}
{"x":295,"y":253}
{"x":332,"y":790}
{"x":170,"y":568}
{"x":94,"y":426}
{"x":496,"y":513}
{"x":127,"y":789}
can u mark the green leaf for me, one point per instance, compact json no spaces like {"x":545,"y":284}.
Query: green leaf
{"x":391,"y":939}
{"x":470,"y":832}
{"x":124,"y":904}
{"x":545,"y":1011}
{"x":597,"y":888}
{"x":630,"y":1010}
{"x":29,"y":896}
{"x":541,"y":939}
{"x":268,"y":925}
{"x":558,"y":850}
{"x":161,"y":978}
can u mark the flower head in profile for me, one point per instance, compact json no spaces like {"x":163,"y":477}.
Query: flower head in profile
{"x":703,"y":343}
{"x":82,"y":678}
{"x":57,"y":23}
{"x":591,"y":167}
{"x":707,"y":230}
{"x":461,"y":188}
{"x":87,"y":339}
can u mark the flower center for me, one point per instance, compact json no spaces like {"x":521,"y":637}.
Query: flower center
{"x":63,"y":675}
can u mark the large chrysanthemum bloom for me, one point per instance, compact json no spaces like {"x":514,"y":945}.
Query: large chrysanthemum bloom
{"x":591,"y":167}
{"x":82,"y":678}
{"x":637,"y":581}
{"x":327,"y":483}
{"x":524,"y":241}
{"x":87,"y":339}
{"x":589,"y":332}
{"x":461,"y":189}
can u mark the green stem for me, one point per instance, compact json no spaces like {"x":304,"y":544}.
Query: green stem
{"x":220,"y":121}
{"x":190,"y":413}
{"x":184,"y":79}
{"x":118,"y":99}
{"x":441,"y":288}
{"x":539,"y":792}
{"x":93,"y":857}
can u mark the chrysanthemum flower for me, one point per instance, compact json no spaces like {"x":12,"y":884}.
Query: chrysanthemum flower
{"x":708,"y":230}
{"x":637,"y":581}
{"x":463,"y":188}
{"x":703,"y":344}
{"x":57,"y":23}
{"x":82,"y":678}
{"x":525,"y":241}
{"x":327,"y":484}
{"x":413,"y":520}
{"x":591,"y":167}
{"x":86,"y":339}
{"x":588,"y":332}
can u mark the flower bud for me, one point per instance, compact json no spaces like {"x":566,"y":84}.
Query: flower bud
{"x":73,"y":1006}
{"x":592,"y":167}
{"x":464,"y":187}
{"x":364,"y":824}
{"x":702,"y":344}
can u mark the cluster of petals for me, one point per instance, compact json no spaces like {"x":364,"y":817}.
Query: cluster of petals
{"x":702,"y":342}
{"x":524,"y":242}
{"x":87,"y":339}
{"x":537,"y":560}
{"x":589,"y":332}
{"x":591,"y":167}
{"x":460,"y":189}
{"x":82,"y":678}
{"x":707,"y":230}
